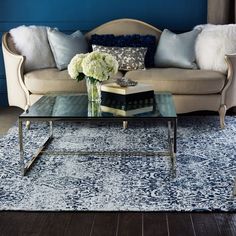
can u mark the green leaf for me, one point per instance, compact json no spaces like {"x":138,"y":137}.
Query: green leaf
{"x":93,"y":80}
{"x":80,"y":77}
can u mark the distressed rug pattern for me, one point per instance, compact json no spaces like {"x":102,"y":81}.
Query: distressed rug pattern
{"x":206,"y":168}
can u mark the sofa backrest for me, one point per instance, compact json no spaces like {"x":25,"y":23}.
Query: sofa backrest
{"x":8,"y":43}
{"x":116,"y":27}
{"x":125,"y":27}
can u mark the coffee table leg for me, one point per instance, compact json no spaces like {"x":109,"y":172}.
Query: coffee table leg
{"x":26,"y":167}
{"x":234,"y":189}
{"x":172,"y":143}
{"x":169,"y":136}
{"x":175,"y":136}
{"x":21,"y":147}
{"x":50,"y":129}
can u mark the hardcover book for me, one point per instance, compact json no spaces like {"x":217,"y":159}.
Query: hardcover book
{"x":115,"y":88}
{"x":132,"y":112}
{"x":113,"y":91}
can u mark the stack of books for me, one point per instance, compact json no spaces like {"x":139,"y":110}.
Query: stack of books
{"x":113,"y":91}
{"x":130,"y":112}
{"x":127,"y":101}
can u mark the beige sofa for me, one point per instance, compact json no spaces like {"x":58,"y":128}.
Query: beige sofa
{"x":192,"y":90}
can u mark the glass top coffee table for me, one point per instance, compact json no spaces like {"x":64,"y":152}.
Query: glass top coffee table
{"x":74,"y":107}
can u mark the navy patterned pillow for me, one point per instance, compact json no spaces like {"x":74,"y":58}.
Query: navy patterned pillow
{"x":135,"y":40}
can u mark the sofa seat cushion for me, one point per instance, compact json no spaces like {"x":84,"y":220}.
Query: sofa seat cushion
{"x":180,"y":81}
{"x":52,"y":81}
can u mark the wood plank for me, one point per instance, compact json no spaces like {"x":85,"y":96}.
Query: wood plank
{"x":76,"y":223}
{"x":155,"y":224}
{"x":80,"y":224}
{"x":105,"y":224}
{"x":10,"y":223}
{"x":180,"y":224}
{"x":55,"y":224}
{"x":129,"y":224}
{"x":21,"y":223}
{"x":32,"y":223}
{"x":226,"y":223}
{"x":205,"y":224}
{"x":8,"y":117}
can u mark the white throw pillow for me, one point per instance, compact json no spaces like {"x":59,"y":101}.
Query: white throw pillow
{"x":213,"y":43}
{"x":32,"y":42}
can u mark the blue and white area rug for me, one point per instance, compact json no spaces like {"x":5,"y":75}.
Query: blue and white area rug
{"x":206,"y":168}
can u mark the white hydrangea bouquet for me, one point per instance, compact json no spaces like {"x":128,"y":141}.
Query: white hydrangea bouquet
{"x":95,"y":67}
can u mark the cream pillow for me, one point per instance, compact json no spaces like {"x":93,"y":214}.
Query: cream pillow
{"x":213,"y":43}
{"x":32,"y":42}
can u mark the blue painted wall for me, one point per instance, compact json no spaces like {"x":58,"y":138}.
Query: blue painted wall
{"x":68,"y":15}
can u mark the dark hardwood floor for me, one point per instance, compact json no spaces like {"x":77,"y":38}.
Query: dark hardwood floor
{"x":116,"y":224}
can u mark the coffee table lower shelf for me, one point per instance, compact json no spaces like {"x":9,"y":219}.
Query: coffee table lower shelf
{"x":25,"y":167}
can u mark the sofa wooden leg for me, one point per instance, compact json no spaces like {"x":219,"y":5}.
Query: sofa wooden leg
{"x":125,"y":124}
{"x":222,"y":113}
{"x":28,"y":124}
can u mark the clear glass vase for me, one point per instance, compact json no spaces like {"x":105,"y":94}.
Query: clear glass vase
{"x":93,"y":89}
{"x":94,"y":109}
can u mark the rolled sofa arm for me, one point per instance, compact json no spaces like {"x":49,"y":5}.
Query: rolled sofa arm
{"x":18,"y":95}
{"x":230,"y":88}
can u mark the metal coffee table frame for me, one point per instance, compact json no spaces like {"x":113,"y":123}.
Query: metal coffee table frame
{"x":172,"y":136}
{"x":74,"y":108}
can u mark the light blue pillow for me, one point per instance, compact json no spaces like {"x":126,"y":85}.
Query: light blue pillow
{"x":176,"y":50}
{"x":64,"y":46}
